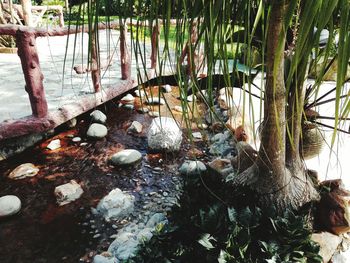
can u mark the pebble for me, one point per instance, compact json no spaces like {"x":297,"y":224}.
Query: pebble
{"x":54,"y":145}
{"x":97,"y":131}
{"x":135,"y":127}
{"x":98,"y":116}
{"x":143,"y":110}
{"x":128,"y":106}
{"x":96,"y":236}
{"x":24,"y":170}
{"x":140,"y":93}
{"x":166,"y":88}
{"x":197,"y":135}
{"x":76,"y":139}
{"x":83,"y":144}
{"x":9,"y":205}
{"x":128,"y":98}
{"x":68,"y":193}
{"x":126,"y":157}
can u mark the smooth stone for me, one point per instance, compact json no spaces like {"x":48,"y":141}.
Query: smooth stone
{"x":128,"y":98}
{"x":191,"y":98}
{"x":97,"y":131}
{"x":164,"y":134}
{"x":153,"y":114}
{"x":68,"y":192}
{"x":126,"y":157}
{"x":9,"y":205}
{"x":135,"y":127}
{"x":192,"y":168}
{"x":98,"y":116}
{"x":24,"y":170}
{"x":166,"y":88}
{"x":202,"y":126}
{"x":155,"y":101}
{"x":328,"y":244}
{"x":116,"y":205}
{"x":76,"y":139}
{"x":140,"y":93}
{"x":54,"y":145}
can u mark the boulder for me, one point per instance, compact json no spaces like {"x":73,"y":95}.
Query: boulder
{"x":164,"y":135}
{"x":54,"y":145}
{"x":126,"y":157}
{"x":68,"y":192}
{"x":97,"y":131}
{"x":116,"y":205}
{"x":333,"y":210}
{"x":9,"y":205}
{"x":98,"y":117}
{"x":23,"y":171}
{"x":192,"y":168}
{"x":135,"y":127}
{"x":328,"y":244}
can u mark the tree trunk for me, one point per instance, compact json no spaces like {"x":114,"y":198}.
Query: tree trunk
{"x":124,"y":54}
{"x":274,"y":180}
{"x":27,"y":12}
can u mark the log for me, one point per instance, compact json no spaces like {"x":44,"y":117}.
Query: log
{"x":32,"y":72}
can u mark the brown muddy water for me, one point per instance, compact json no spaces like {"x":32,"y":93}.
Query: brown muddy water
{"x":45,"y":232}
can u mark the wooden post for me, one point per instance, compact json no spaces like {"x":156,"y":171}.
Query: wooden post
{"x":27,"y":12}
{"x":95,"y":63}
{"x":154,"y":43}
{"x":31,"y":71}
{"x":124,"y":54}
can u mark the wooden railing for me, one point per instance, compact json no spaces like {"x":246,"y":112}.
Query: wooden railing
{"x":26,"y":43}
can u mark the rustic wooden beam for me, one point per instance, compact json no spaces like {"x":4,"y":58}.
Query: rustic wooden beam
{"x":95,"y":63}
{"x":124,"y":54}
{"x":29,"y":125}
{"x":32,"y":73}
{"x":27,"y":12}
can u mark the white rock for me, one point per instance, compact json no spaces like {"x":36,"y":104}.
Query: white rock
{"x":192,"y":168}
{"x":143,"y":110}
{"x":155,"y":101}
{"x":191,"y":98}
{"x":67,"y":193}
{"x":153,"y":114}
{"x":128,"y":106}
{"x":197,"y":135}
{"x":124,"y":246}
{"x":116,"y":205}
{"x":145,"y":234}
{"x":97,"y":131}
{"x":140,"y":93}
{"x":166,"y":88}
{"x":135,"y":127}
{"x":72,"y":123}
{"x":104,"y":259}
{"x":202,"y":126}
{"x":23,"y":171}
{"x":155,"y":220}
{"x":54,"y":145}
{"x":128,"y":98}
{"x":164,"y":135}
{"x":9,"y":205}
{"x":328,"y":244}
{"x":126,"y":157}
{"x":76,"y":139}
{"x":98,"y":116}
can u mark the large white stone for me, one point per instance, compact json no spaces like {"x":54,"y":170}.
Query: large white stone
{"x":67,"y":193}
{"x":97,"y":131}
{"x":116,"y":205}
{"x":164,"y":135}
{"x":24,"y":170}
{"x":9,"y":205}
{"x":98,"y":116}
{"x":126,"y":157}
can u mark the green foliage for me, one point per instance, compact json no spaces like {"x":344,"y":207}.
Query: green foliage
{"x":204,"y":229}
